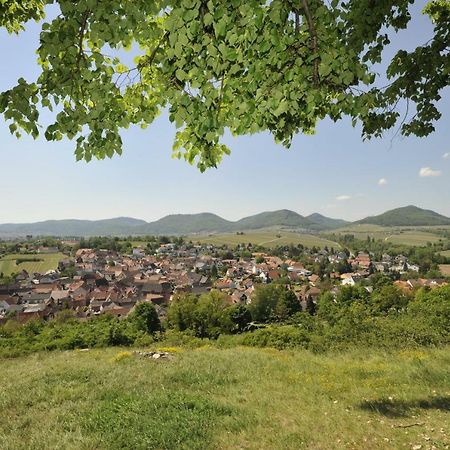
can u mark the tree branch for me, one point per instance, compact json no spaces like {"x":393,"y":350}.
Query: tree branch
{"x":314,"y":40}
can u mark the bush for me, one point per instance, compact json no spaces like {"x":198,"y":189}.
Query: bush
{"x":145,"y":318}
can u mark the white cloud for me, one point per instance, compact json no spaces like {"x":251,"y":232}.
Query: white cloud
{"x":446,"y":155}
{"x":429,"y":172}
{"x":382,"y":182}
{"x":342,"y":198}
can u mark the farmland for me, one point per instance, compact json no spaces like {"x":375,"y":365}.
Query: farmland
{"x":412,"y":236}
{"x":45,"y":262}
{"x":266,"y":239}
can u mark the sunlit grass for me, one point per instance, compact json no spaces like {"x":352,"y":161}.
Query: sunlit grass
{"x":226,"y":399}
{"x":47,"y":261}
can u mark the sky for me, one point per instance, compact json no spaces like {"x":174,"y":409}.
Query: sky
{"x":332,"y":172}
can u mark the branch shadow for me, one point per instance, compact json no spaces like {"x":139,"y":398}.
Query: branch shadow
{"x":400,"y":408}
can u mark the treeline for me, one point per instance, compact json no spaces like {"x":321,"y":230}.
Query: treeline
{"x":386,"y":318}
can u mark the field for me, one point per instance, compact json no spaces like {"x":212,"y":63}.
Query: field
{"x":396,"y":235}
{"x":446,"y":253}
{"x":266,"y":238}
{"x":8,"y":263}
{"x":239,"y":398}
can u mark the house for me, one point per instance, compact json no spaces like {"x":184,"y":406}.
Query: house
{"x":349,"y":279}
{"x":33,"y":311}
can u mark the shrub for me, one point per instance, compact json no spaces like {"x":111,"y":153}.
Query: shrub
{"x":145,"y":318}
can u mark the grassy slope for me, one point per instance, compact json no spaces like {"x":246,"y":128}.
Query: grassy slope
{"x":226,"y":399}
{"x":266,"y":238}
{"x":49,"y":261}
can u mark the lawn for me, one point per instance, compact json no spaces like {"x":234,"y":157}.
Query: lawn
{"x":266,"y":238}
{"x":240,"y":398}
{"x":8,"y":263}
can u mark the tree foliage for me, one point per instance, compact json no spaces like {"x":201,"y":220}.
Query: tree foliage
{"x":277,"y":66}
{"x":146,"y":318}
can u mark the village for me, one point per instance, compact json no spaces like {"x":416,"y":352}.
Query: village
{"x":92,"y":282}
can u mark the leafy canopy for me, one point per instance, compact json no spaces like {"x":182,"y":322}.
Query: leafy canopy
{"x":246,"y":66}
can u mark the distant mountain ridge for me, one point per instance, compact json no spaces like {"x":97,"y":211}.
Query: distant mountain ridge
{"x":183,"y":224}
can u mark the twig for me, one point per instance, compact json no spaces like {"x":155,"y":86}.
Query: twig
{"x":81,"y":37}
{"x":417,"y":424}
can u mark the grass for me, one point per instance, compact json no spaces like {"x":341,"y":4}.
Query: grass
{"x":397,"y":235}
{"x":267,"y":239}
{"x":241,"y":398}
{"x":446,"y":253}
{"x":8,"y":263}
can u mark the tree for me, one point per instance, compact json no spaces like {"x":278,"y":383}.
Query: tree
{"x":146,"y":318}
{"x":264,"y":302}
{"x":235,"y":319}
{"x":246,"y":66}
{"x":287,"y":304}
{"x":273,"y":302}
{"x":201,"y":315}
{"x":389,"y":297}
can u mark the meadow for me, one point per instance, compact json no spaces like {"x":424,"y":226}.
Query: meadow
{"x":266,"y":238}
{"x":240,"y":398}
{"x":412,"y":236}
{"x":8,"y":263}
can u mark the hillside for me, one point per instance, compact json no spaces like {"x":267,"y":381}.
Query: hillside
{"x":175,"y":224}
{"x":281,"y":218}
{"x":74,"y":227}
{"x":184,"y":224}
{"x":325,"y":223}
{"x":187,"y":224}
{"x":207,"y":399}
{"x":407,"y":216}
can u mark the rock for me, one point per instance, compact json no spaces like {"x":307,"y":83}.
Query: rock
{"x":156,"y":355}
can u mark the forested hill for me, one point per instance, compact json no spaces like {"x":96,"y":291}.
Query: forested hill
{"x":184,"y":224}
{"x":407,"y":216}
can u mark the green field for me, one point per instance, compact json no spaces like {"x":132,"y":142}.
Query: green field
{"x":8,"y":263}
{"x":238,"y":398}
{"x":266,"y":238}
{"x":396,"y":235}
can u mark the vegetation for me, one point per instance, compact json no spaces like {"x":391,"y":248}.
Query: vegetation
{"x":407,"y":216}
{"x":411,"y":236}
{"x":244,"y":66}
{"x":268,"y":239}
{"x":41,"y":263}
{"x":256,"y":399}
{"x":387,"y":318}
{"x":65,"y":332}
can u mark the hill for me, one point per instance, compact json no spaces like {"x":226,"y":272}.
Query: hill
{"x":74,"y":227}
{"x":323,"y":223}
{"x":175,"y":224}
{"x":281,"y":218}
{"x":184,"y":224}
{"x":208,"y":398}
{"x":187,"y":224}
{"x":407,"y":216}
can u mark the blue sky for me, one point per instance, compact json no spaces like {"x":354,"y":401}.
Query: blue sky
{"x":333,"y":172}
